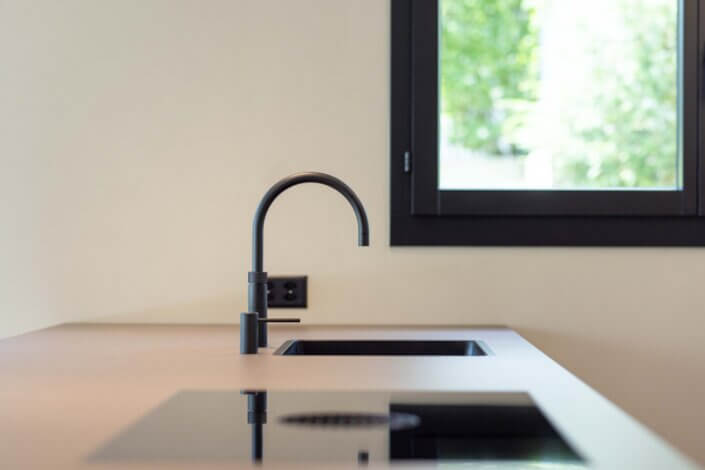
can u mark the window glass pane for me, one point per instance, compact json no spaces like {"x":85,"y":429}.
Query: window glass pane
{"x":559,"y":94}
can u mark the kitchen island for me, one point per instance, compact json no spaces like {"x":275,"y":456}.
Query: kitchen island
{"x":69,"y":391}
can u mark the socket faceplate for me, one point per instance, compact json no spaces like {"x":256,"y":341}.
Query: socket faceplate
{"x":287,"y":292}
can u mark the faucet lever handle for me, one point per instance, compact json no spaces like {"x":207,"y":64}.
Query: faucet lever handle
{"x":248,"y":330}
{"x":279,"y":320}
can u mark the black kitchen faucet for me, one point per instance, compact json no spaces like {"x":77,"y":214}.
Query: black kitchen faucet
{"x":253,"y":324}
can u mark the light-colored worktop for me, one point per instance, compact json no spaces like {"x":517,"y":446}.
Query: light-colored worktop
{"x":67,"y":390}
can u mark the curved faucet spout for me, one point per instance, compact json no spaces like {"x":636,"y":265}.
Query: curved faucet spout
{"x":299,"y":178}
{"x":257,"y":278}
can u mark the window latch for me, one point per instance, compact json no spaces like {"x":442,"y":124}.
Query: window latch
{"x":407,"y":162}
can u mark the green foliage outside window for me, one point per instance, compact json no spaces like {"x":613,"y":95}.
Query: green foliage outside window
{"x":616,"y":128}
{"x":488,"y":59}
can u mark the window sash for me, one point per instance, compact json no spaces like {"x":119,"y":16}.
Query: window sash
{"x":428,"y":199}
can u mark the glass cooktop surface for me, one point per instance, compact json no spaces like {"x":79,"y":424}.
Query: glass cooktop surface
{"x":477,"y":430}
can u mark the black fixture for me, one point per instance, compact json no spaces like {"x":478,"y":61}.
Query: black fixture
{"x":257,"y":278}
{"x":249,"y":327}
{"x":382,"y":348}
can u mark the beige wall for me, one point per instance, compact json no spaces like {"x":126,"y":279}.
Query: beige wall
{"x":136,"y":138}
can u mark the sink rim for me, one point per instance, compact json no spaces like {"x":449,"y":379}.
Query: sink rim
{"x":479,"y":343}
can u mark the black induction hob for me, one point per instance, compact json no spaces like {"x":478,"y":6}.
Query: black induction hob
{"x":482,"y":430}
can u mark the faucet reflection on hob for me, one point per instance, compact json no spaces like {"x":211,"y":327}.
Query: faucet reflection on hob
{"x":257,"y":418}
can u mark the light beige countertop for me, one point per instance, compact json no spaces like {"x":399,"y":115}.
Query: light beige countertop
{"x":66,"y":391}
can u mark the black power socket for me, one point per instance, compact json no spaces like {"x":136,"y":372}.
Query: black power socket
{"x":287,"y":292}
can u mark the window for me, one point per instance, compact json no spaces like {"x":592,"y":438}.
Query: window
{"x":546,"y":122}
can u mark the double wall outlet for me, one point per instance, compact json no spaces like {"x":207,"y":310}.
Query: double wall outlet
{"x":287,"y":292}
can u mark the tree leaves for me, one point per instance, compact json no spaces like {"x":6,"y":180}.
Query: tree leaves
{"x":612,"y":123}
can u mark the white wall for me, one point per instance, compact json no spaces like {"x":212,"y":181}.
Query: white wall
{"x":136,"y":137}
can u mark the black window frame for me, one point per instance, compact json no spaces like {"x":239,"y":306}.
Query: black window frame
{"x":421,"y":214}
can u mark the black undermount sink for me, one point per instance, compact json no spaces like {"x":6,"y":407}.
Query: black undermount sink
{"x":380,"y":348}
